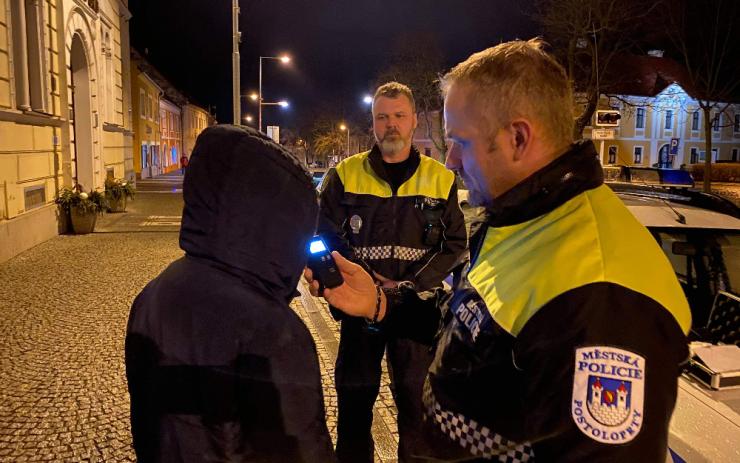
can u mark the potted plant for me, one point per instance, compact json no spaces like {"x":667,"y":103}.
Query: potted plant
{"x":117,"y":191}
{"x":83,"y":208}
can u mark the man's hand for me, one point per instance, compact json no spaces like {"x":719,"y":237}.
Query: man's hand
{"x":357,"y":296}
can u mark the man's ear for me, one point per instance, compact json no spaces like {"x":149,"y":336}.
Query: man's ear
{"x":521,"y":137}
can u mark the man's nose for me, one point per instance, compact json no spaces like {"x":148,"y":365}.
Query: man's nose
{"x":452,"y":160}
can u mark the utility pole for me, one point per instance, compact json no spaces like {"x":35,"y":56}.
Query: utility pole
{"x":236,"y":77}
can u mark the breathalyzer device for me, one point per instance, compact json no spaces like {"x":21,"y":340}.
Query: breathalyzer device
{"x":322,"y":264}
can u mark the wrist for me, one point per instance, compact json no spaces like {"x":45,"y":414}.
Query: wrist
{"x":378,"y":310}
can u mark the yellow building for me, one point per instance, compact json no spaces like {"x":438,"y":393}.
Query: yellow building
{"x":661,"y":123}
{"x":50,"y":135}
{"x":194,"y":120}
{"x":170,"y":123}
{"x":147,"y":137}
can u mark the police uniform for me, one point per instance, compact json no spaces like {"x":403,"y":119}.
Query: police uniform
{"x":409,"y":228}
{"x":565,"y":338}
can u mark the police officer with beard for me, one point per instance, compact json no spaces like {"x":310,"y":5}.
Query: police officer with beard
{"x":395,"y":212}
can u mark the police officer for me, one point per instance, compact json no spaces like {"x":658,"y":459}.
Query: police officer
{"x":563,"y":340}
{"x":397,"y":213}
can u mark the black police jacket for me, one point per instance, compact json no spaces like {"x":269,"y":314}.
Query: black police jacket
{"x":564,"y":339}
{"x":416,"y":233}
{"x":219,"y":367}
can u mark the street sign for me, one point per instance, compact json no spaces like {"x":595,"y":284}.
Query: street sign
{"x":603,"y":134}
{"x":674,"y":146}
{"x":608,"y":118}
{"x":273,"y":131}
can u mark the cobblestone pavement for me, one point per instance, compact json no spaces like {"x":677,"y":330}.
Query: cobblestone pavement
{"x":63,"y":311}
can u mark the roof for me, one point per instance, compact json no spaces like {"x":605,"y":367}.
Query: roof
{"x":654,"y":212}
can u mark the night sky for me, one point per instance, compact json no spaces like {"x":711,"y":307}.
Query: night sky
{"x":338,"y":47}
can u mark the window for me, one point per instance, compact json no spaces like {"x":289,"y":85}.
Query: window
{"x":29,"y":55}
{"x":734,"y":155}
{"x":427,"y":151}
{"x":669,"y":120}
{"x":640,"y":118}
{"x":695,"y":121}
{"x":142,"y":103}
{"x":150,"y":108}
{"x":703,"y":155}
{"x":638,"y":154}
{"x":736,"y":125}
{"x":34,"y":196}
{"x":694,"y":156}
{"x":612,"y":155}
{"x":716,"y":122}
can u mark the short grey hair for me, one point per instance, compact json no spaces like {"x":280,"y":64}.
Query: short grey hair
{"x":393,"y":90}
{"x":517,"y":79}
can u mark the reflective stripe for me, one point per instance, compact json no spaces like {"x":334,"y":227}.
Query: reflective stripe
{"x":389,"y":252}
{"x":431,"y":179}
{"x":473,"y":436}
{"x":592,"y":238}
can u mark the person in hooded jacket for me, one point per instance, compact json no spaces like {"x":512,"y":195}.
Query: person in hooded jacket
{"x":219,"y":367}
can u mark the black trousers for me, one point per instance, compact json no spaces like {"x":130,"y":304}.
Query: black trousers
{"x":357,"y":377}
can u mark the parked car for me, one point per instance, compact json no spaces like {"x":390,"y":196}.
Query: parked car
{"x":700,"y":234}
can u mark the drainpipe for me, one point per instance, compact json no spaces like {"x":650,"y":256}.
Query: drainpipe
{"x":18,"y":10}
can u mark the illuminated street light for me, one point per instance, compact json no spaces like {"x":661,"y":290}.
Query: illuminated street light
{"x":283,"y":59}
{"x":254,"y":96}
{"x":344,"y":127}
{"x":248,"y":118}
{"x":367,"y":99}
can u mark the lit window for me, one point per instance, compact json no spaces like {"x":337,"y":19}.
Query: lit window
{"x":612,"y":155}
{"x":640,"y":118}
{"x":638,"y":154}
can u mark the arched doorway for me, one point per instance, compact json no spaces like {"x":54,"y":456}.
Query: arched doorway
{"x":665,"y":160}
{"x":81,"y":143}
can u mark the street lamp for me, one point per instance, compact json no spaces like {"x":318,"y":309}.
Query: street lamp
{"x":344,"y":127}
{"x":367,"y":99}
{"x":248,"y":118}
{"x":283,"y":59}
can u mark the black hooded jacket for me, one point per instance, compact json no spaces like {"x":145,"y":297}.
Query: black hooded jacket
{"x":219,"y":367}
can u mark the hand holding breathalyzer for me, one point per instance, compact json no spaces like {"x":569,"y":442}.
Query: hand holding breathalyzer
{"x":322,"y":264}
{"x":357,"y":296}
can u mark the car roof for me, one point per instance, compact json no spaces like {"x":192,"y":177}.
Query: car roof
{"x":661,"y":212}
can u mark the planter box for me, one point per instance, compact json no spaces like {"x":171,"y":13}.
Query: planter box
{"x":82,"y":224}
{"x":117,"y":205}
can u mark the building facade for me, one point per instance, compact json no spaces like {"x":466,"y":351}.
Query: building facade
{"x":662,"y":123}
{"x":194,"y":120}
{"x":147,"y":135}
{"x":64,"y":107}
{"x":170,"y":123}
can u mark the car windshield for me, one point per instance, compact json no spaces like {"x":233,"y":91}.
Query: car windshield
{"x":706,"y":261}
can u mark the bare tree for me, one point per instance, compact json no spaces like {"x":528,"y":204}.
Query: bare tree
{"x":587,"y":36}
{"x":705,"y":36}
{"x":418,"y":62}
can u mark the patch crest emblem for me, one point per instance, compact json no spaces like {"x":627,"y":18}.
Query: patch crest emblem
{"x":608,"y":393}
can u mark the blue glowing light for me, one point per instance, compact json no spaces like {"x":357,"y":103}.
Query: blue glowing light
{"x":317,"y":246}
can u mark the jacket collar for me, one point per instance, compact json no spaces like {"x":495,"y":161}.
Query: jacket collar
{"x":376,"y":162}
{"x":564,"y":178}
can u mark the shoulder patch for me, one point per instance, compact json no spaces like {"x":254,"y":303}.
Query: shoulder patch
{"x":608,"y":393}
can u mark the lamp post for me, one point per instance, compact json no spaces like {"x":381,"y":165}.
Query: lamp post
{"x":236,"y":76}
{"x":284,"y":59}
{"x":345,"y":127}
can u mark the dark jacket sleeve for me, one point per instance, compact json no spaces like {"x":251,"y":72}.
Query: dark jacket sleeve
{"x":413,"y":315}
{"x":592,"y":316}
{"x":430,"y":271}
